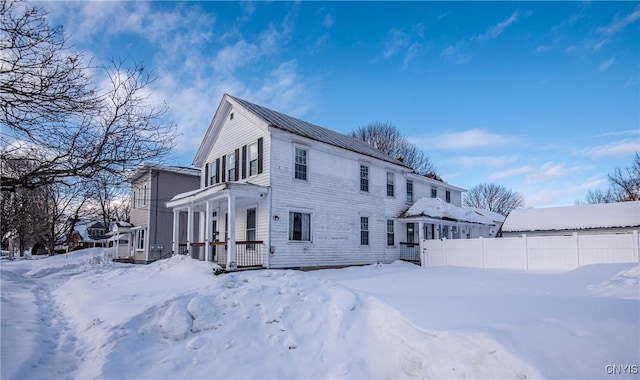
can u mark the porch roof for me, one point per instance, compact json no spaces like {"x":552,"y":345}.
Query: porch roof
{"x":222,"y":190}
{"x":435,"y":209}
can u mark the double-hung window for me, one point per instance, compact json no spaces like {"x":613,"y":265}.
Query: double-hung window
{"x":364,"y":178}
{"x":390,"y":184}
{"x":447,"y":195}
{"x":299,"y":226}
{"x":251,"y":228}
{"x":300,"y":163}
{"x":434,"y":192}
{"x":139,"y":239}
{"x":409,"y":191}
{"x":231,"y":167}
{"x":213,"y":169}
{"x":364,"y":230}
{"x":391,"y":236}
{"x":253,"y":159}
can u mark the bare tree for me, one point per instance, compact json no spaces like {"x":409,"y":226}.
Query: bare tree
{"x":385,"y":137}
{"x":42,"y":82}
{"x":625,"y":183}
{"x":109,"y":199}
{"x":45,"y":215}
{"x":493,"y":197}
{"x":600,"y":196}
{"x":55,"y":116}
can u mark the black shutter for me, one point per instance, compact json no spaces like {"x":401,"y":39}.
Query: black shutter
{"x":224,"y":160}
{"x":260,"y":155}
{"x":217,"y":170}
{"x":244,"y":162}
{"x":237,"y":166}
{"x":206,"y":175}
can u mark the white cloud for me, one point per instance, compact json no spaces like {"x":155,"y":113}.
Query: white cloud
{"x":606,"y":64}
{"x":397,"y":40}
{"x":499,"y":28}
{"x":405,"y":44}
{"x":620,"y":148}
{"x":327,"y":21}
{"x":543,"y":48}
{"x":512,"y":172}
{"x":231,"y":57}
{"x":482,"y":161}
{"x":283,"y":90}
{"x":472,"y":138}
{"x":620,"y":23}
{"x":454,"y":54}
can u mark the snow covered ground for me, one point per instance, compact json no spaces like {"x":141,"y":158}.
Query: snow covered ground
{"x":83,"y":317}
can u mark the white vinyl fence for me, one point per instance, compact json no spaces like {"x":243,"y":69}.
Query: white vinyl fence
{"x":532,"y":253}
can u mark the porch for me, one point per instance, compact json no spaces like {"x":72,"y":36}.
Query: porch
{"x":410,"y":252}
{"x":248,"y":253}
{"x":226,"y":224}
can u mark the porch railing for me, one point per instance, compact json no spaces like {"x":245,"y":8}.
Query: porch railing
{"x":410,"y":251}
{"x":248,"y":253}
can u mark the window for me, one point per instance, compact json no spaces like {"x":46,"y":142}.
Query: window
{"x":231,"y":167}
{"x":253,"y":159}
{"x":364,"y":178}
{"x":135,"y":199}
{"x":144,"y":196}
{"x":139,"y":239}
{"x":390,"y":183}
{"x":364,"y":230}
{"x":301,"y":164}
{"x":231,"y":116}
{"x":434,"y":192}
{"x":391,"y":237}
{"x":409,"y":191}
{"x":299,"y":226}
{"x":448,"y":196}
{"x":251,"y":228}
{"x":213,"y":172}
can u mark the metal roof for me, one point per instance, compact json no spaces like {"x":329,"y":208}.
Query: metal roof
{"x":315,"y":132}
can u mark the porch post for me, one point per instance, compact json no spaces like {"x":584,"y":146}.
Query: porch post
{"x":189,"y":229}
{"x":231,"y":244}
{"x":176,"y":229}
{"x":207,"y":231}
{"x":201,"y":231}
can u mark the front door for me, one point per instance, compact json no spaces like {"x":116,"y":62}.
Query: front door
{"x":410,"y":233}
{"x":215,"y":236}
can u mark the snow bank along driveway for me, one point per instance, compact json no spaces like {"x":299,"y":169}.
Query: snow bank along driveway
{"x":82,"y":317}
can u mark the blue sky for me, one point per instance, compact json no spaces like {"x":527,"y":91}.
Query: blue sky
{"x":541,"y":97}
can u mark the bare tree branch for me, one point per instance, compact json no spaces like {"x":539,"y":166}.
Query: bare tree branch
{"x":52,"y":114}
{"x":493,"y":197}
{"x":385,"y":137}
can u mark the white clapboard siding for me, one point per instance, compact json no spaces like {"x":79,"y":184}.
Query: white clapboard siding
{"x":332,"y":195}
{"x":234,"y":134}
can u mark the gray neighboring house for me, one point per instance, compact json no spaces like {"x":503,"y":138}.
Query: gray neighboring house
{"x":591,"y":219}
{"x":152,"y":186}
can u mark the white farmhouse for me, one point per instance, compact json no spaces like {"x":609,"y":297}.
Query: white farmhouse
{"x":279,"y":192}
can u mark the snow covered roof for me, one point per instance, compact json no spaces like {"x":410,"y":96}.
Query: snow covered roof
{"x":603,"y":215}
{"x":499,"y":218}
{"x":439,"y":209}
